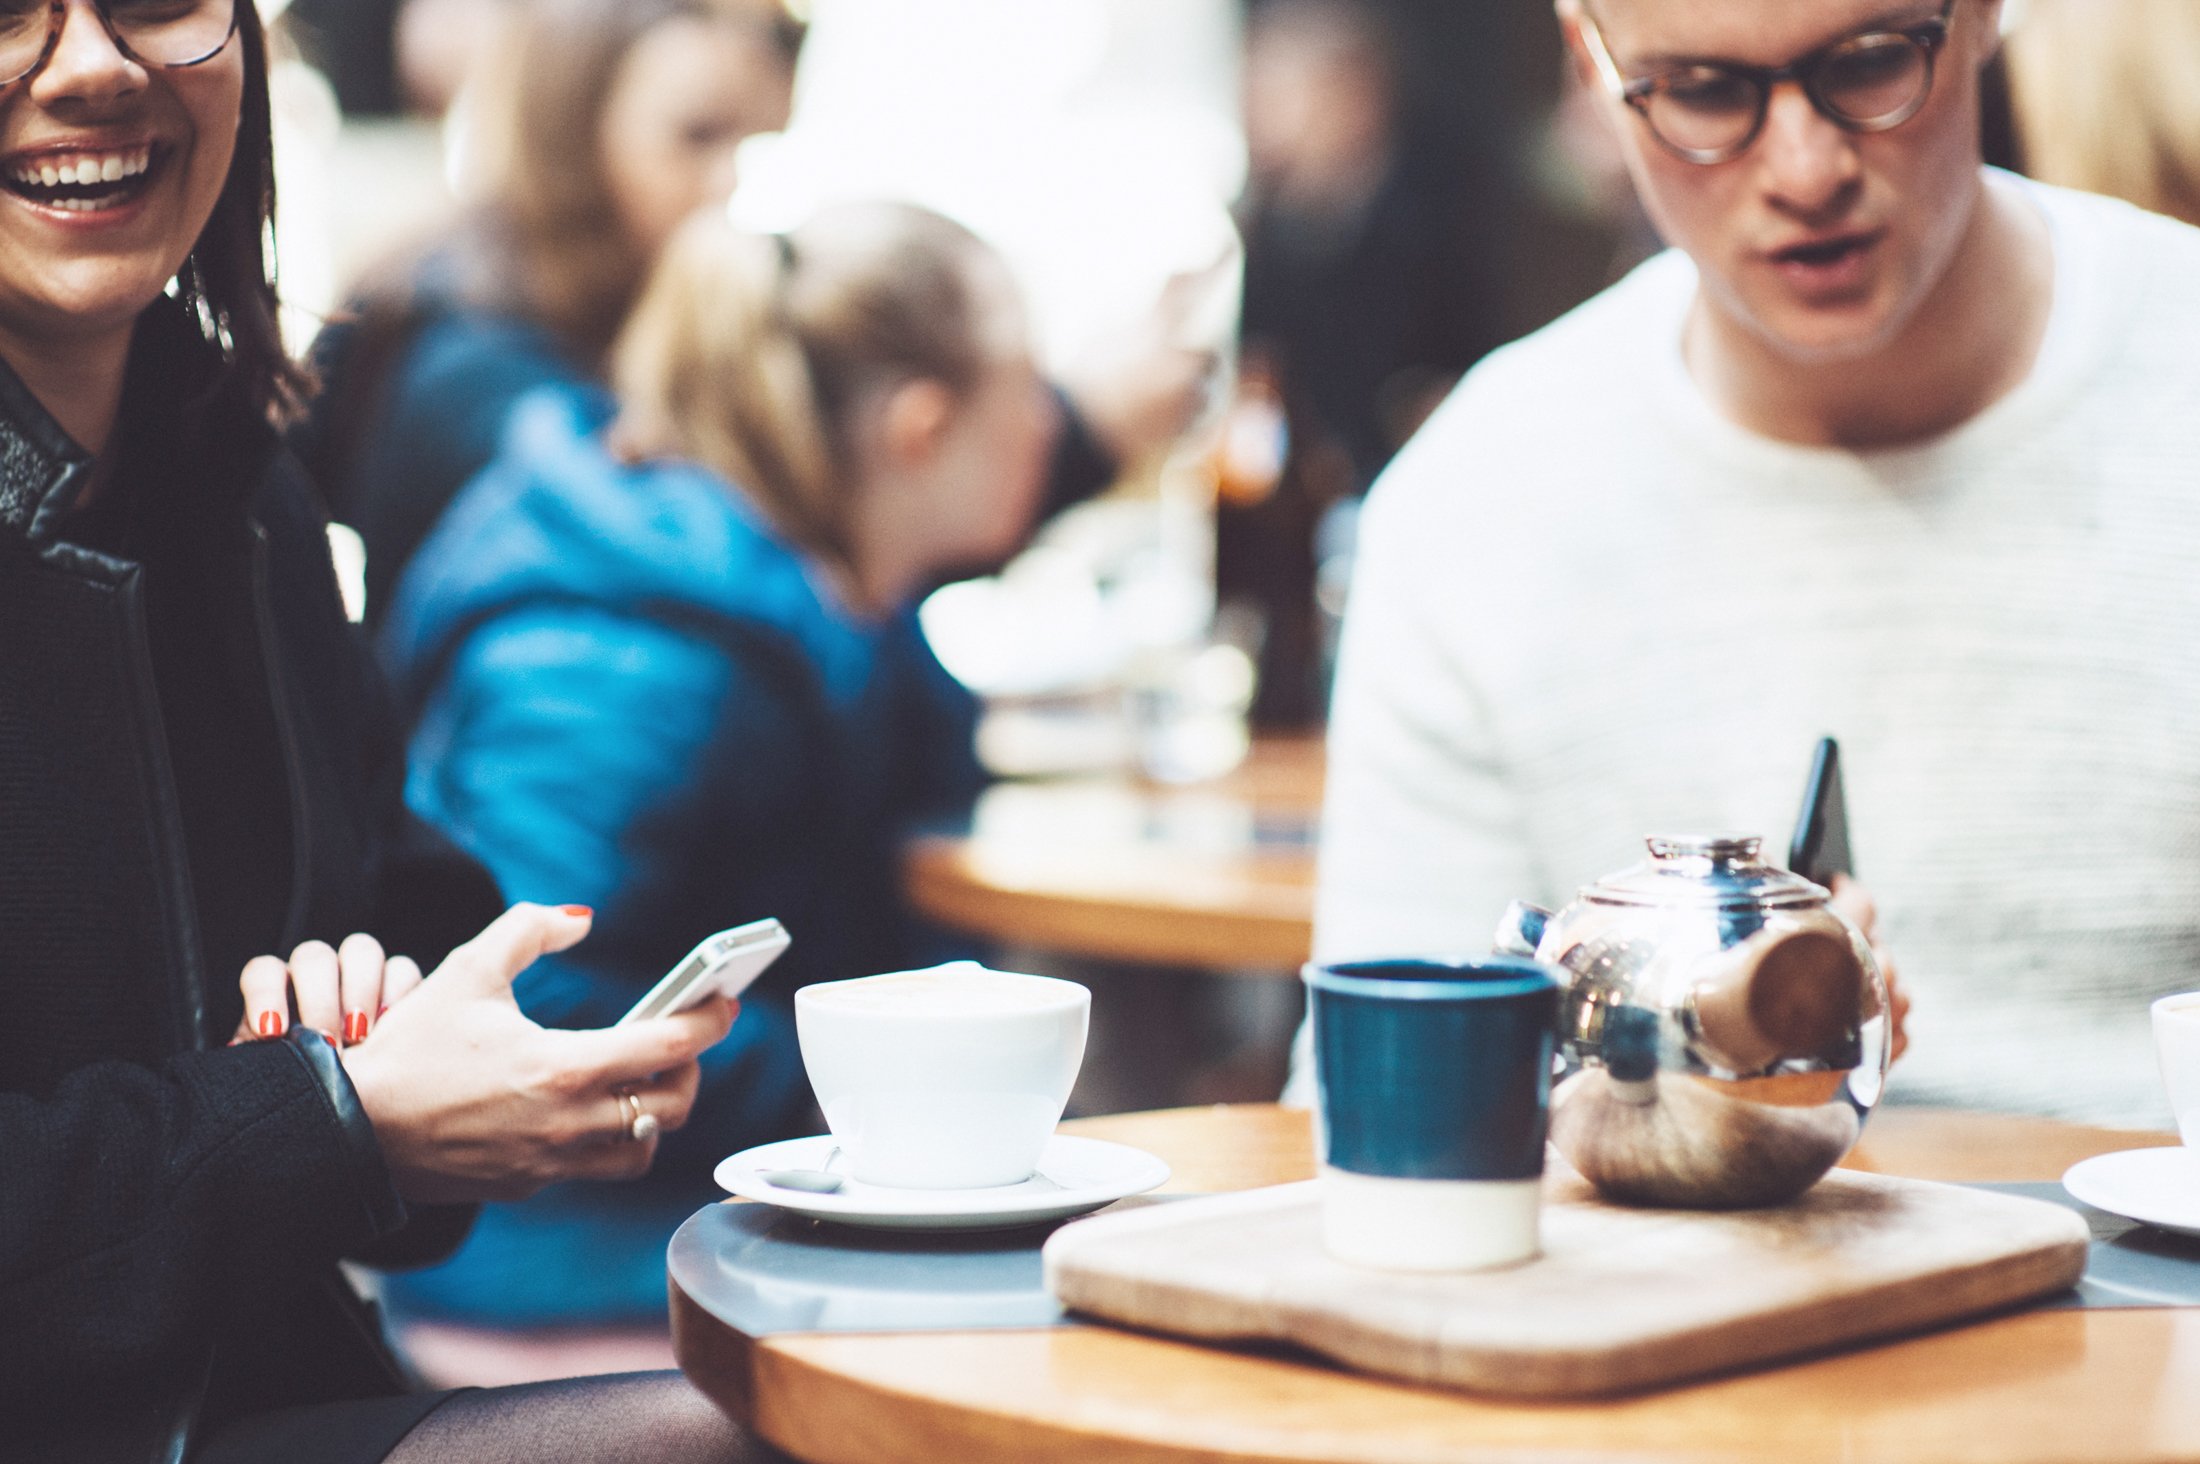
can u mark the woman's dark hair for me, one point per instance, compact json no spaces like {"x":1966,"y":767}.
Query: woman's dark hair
{"x":228,"y":280}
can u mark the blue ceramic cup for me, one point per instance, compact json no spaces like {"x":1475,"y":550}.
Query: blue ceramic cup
{"x":1433,"y":1096}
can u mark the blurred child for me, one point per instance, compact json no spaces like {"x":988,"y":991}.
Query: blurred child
{"x":664,"y":660}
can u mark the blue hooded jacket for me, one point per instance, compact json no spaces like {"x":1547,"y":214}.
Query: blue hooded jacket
{"x":628,"y":692}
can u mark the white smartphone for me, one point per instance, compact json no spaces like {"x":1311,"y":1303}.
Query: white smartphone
{"x":723,"y":965}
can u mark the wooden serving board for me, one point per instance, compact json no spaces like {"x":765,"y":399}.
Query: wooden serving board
{"x":1621,"y":1299}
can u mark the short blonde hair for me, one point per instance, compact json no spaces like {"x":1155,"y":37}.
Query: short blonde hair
{"x":2107,"y":97}
{"x":751,"y":353}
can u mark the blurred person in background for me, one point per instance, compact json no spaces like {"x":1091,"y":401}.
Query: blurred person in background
{"x":350,"y":42}
{"x":1888,"y":445}
{"x":1364,"y":301}
{"x":2107,"y":99}
{"x":665,"y":659}
{"x":1361,"y":285}
{"x":601,"y":125}
{"x":439,"y":46}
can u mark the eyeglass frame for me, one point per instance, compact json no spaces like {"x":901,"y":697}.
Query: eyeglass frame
{"x":57,"y":19}
{"x":1930,"y":37}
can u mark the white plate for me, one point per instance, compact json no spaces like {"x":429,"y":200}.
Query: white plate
{"x":2156,"y":1186}
{"x":1075,"y":1175}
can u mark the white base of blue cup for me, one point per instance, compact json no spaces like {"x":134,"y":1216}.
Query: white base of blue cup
{"x":1430,"y":1224}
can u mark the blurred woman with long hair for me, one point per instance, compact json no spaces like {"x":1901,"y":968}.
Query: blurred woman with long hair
{"x":599,"y":125}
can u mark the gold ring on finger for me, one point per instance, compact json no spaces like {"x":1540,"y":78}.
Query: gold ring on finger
{"x":641,"y":1126}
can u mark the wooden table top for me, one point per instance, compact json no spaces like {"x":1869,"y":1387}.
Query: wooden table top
{"x":1217,"y":875}
{"x":2060,"y":1385}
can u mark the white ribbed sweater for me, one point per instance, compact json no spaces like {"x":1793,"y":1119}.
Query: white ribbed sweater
{"x":1587,"y":608}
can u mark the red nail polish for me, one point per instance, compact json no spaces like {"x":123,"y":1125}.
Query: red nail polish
{"x":381,"y":1011}
{"x":329,"y":1038}
{"x":578,"y":912}
{"x":355,"y":1027}
{"x":271,"y":1024}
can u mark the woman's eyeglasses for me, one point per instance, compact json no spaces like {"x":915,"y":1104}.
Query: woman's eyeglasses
{"x":164,"y":33}
{"x":1710,"y":112}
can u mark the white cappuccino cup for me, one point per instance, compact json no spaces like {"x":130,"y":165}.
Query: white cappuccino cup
{"x":948,"y":1078}
{"x":2177,"y":1044}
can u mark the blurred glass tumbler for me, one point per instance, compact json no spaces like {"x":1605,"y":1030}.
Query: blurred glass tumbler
{"x":1432,"y":1083}
{"x":2177,"y":1045}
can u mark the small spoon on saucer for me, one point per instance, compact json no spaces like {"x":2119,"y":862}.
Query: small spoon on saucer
{"x":811,"y":1181}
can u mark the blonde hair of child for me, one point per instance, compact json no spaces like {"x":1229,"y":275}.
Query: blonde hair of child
{"x":753,"y":354}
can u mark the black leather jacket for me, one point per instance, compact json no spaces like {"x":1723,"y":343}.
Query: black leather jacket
{"x":171,"y":1210}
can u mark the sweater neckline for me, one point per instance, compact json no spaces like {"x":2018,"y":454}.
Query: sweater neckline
{"x":2076,"y":337}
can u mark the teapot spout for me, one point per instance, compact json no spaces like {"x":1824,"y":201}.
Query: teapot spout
{"x":1520,"y":931}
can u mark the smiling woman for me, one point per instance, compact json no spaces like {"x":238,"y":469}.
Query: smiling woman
{"x":120,"y":126}
{"x":196,"y":768}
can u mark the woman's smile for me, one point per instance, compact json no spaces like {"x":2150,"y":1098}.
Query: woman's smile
{"x":109,"y":170}
{"x":84,"y":182}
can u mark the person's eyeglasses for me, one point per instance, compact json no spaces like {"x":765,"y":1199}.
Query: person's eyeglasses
{"x":164,"y":33}
{"x":1710,"y":112}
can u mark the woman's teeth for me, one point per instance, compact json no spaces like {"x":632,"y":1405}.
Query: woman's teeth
{"x":39,"y":178}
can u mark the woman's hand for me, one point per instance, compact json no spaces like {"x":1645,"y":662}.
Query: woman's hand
{"x":1855,"y":903}
{"x":340,"y":993}
{"x":472,"y":1101}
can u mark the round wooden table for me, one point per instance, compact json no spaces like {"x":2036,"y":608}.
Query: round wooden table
{"x":2050,"y":1385}
{"x":1216,"y":875}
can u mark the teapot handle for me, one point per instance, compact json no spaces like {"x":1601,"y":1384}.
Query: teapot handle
{"x":1779,"y":994}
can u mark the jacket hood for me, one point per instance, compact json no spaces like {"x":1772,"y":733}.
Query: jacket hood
{"x":556,"y":519}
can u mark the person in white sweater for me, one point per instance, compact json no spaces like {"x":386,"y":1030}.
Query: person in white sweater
{"x":1889,"y":446}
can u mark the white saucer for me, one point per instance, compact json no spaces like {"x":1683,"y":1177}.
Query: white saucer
{"x":2156,"y":1186}
{"x":1075,"y":1175}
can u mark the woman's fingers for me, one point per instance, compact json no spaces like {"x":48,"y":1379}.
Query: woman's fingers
{"x":340,"y":993}
{"x":315,"y":983}
{"x":675,"y":1095}
{"x":613,"y":1152}
{"x":400,"y":978}
{"x":266,"y":987}
{"x":622,"y":1057}
{"x":360,"y":980}
{"x":487,"y":964}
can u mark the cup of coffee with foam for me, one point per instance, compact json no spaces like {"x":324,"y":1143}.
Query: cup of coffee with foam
{"x":947,"y":1078}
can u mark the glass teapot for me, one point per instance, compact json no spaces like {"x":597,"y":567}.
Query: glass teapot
{"x":1723,"y":1032}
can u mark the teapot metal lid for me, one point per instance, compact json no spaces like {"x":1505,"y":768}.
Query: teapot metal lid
{"x":1715,"y":871}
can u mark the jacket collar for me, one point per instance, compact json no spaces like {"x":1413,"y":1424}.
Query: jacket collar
{"x":40,"y":465}
{"x":42,"y":468}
